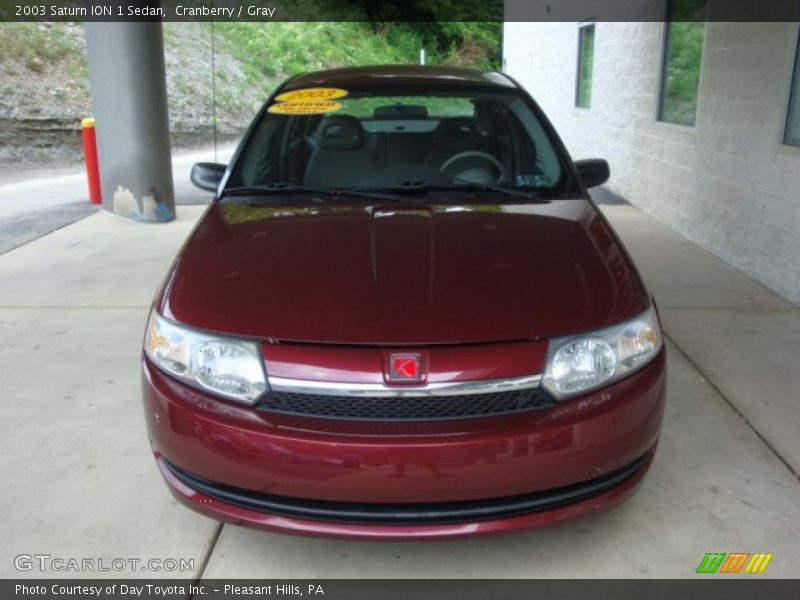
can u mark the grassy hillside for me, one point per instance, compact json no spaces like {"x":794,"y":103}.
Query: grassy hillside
{"x":269,"y":51}
{"x":42,"y":70}
{"x":44,"y":81}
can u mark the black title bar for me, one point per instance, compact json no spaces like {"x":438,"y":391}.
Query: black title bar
{"x":702,"y":588}
{"x":394,"y":10}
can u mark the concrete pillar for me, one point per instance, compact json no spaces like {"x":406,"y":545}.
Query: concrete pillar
{"x":129,"y":93}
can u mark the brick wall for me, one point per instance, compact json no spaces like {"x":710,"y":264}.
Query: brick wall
{"x":728,"y":183}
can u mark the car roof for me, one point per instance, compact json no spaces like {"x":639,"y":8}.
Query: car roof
{"x":399,"y":75}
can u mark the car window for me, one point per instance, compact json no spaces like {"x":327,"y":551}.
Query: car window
{"x":434,"y":107}
{"x":376,"y":139}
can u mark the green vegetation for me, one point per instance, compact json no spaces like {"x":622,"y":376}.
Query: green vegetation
{"x":45,"y":64}
{"x":36,"y":44}
{"x":685,"y":50}
{"x":44,"y":71}
{"x":583,"y":97}
{"x":684,"y":53}
{"x":436,"y":106}
{"x":28,"y":40}
{"x":271,"y":51}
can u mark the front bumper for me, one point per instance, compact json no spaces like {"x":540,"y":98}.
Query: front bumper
{"x":557,"y":511}
{"x":524,"y":471}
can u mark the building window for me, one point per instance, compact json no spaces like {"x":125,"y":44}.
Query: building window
{"x":683,"y":53}
{"x":583,"y":84}
{"x":792,"y":136}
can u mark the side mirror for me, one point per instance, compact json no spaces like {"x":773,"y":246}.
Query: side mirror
{"x":593,"y":171}
{"x":207,"y":176}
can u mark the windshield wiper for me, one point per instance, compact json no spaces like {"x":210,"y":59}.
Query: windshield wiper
{"x":531,"y":195}
{"x":467,"y":186}
{"x":293,"y":188}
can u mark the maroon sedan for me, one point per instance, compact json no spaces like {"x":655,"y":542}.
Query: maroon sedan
{"x":402,"y":317}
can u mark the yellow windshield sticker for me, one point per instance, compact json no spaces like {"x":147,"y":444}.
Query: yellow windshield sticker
{"x":299,"y":107}
{"x":312,"y":94}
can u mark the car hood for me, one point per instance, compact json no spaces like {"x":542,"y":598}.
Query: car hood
{"x":402,"y":274}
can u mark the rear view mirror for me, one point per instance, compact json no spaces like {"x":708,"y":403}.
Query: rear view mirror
{"x":593,"y":171}
{"x":207,"y":176}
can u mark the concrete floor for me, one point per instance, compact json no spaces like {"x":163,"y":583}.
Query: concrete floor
{"x":33,"y":204}
{"x":80,"y":482}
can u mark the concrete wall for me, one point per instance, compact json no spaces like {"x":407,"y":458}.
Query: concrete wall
{"x":728,"y":183}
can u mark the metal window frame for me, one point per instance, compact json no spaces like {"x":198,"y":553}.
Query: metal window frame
{"x":581,"y":28}
{"x":662,"y":82}
{"x":793,"y":110}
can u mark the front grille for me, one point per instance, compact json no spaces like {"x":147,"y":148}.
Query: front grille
{"x":405,"y":408}
{"x":409,"y":513}
{"x":394,"y":428}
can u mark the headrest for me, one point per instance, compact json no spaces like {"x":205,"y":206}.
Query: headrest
{"x":400,"y":111}
{"x":341,"y":132}
{"x":457,"y":133}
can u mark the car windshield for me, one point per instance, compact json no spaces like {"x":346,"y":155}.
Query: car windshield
{"x":390,"y":139}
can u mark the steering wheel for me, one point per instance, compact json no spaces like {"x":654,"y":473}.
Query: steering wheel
{"x":475,"y":154}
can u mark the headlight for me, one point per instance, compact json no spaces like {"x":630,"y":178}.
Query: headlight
{"x":584,"y":362}
{"x":229,"y":367}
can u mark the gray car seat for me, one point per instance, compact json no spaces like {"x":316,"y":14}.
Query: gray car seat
{"x":340,"y":158}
